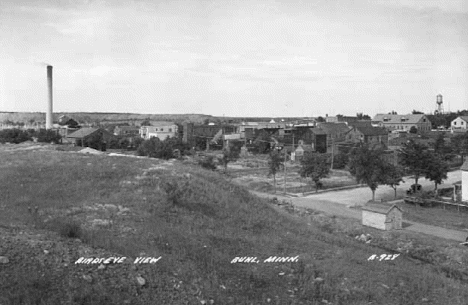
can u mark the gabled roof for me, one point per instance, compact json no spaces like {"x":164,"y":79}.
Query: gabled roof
{"x":333,"y":128}
{"x":463,"y":117}
{"x":372,"y":131}
{"x":396,"y":118}
{"x":379,"y":208}
{"x":83,"y":132}
{"x":464,"y":166}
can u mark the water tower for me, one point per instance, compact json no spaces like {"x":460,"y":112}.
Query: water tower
{"x":440,"y":106}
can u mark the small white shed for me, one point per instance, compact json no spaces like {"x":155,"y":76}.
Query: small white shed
{"x":383,"y":217}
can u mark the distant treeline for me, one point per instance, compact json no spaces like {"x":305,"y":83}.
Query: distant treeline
{"x":101,"y":118}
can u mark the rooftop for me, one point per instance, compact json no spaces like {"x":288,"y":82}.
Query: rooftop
{"x":380,"y":208}
{"x":399,"y":118}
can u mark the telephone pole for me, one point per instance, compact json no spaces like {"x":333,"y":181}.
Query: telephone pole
{"x":285,"y":155}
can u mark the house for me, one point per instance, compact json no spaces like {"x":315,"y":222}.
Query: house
{"x":382,"y":217}
{"x":403,"y":122}
{"x":459,"y":124}
{"x":93,"y":137}
{"x":160,"y":130}
{"x":67,"y":121}
{"x":368,"y":135}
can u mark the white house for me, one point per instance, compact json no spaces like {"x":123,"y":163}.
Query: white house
{"x":464,"y":181}
{"x":382,"y":217}
{"x":460,"y":123}
{"x":160,"y":130}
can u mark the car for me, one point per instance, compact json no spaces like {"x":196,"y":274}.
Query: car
{"x":413,"y":189}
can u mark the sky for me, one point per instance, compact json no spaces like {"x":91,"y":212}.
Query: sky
{"x":235,"y":58}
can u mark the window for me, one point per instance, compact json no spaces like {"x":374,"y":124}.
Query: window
{"x":462,"y":122}
{"x":170,"y":129}
{"x":454,"y":123}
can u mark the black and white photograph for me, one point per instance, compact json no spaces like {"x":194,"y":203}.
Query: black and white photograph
{"x":217,"y":152}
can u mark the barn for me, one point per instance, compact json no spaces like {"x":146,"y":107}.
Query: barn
{"x":382,"y":217}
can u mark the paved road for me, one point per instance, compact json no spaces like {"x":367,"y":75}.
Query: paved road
{"x":359,"y":196}
{"x":339,"y":203}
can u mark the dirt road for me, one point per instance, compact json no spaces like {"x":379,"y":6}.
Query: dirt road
{"x":339,"y":203}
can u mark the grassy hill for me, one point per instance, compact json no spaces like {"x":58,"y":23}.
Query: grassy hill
{"x":197,"y":222}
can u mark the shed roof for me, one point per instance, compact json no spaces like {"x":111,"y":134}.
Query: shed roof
{"x":382,"y":209}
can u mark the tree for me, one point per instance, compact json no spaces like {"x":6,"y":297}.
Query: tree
{"x":361,"y":116}
{"x":229,"y":154}
{"x":262,"y":142}
{"x":320,"y":119}
{"x":368,"y":166}
{"x":416,"y":158}
{"x":459,"y":145}
{"x":417,"y":112}
{"x":315,"y":166}
{"x":437,"y":170}
{"x":146,"y":122}
{"x":393,"y":176}
{"x":275,"y":163}
{"x":413,"y":129}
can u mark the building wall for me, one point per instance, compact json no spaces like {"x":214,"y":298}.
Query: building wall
{"x":394,"y":220}
{"x":464,"y":185}
{"x":458,"y":123}
{"x":161,"y":132}
{"x":421,"y":126}
{"x":372,"y":219}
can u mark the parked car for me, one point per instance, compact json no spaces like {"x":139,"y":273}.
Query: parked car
{"x":413,"y":189}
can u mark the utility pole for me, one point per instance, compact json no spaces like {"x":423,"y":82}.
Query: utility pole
{"x":333,"y":151}
{"x":285,"y":155}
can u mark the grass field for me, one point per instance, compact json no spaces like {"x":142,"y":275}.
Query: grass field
{"x":198,"y":223}
{"x":449,"y":217}
{"x":259,"y":180}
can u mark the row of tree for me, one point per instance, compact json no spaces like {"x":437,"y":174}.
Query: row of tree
{"x":16,"y":136}
{"x":373,"y":167}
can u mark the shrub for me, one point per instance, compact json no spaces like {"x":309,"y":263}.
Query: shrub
{"x":48,"y":136}
{"x":207,"y":163}
{"x":14,"y":136}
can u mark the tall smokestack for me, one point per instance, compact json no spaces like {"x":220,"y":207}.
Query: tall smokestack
{"x":49,"y":120}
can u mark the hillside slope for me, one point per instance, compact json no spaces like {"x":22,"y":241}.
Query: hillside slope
{"x":102,"y":206}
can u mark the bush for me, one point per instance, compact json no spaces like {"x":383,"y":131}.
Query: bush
{"x":340,"y":160}
{"x":48,"y":136}
{"x":155,"y":148}
{"x":208,"y":163}
{"x":14,"y":136}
